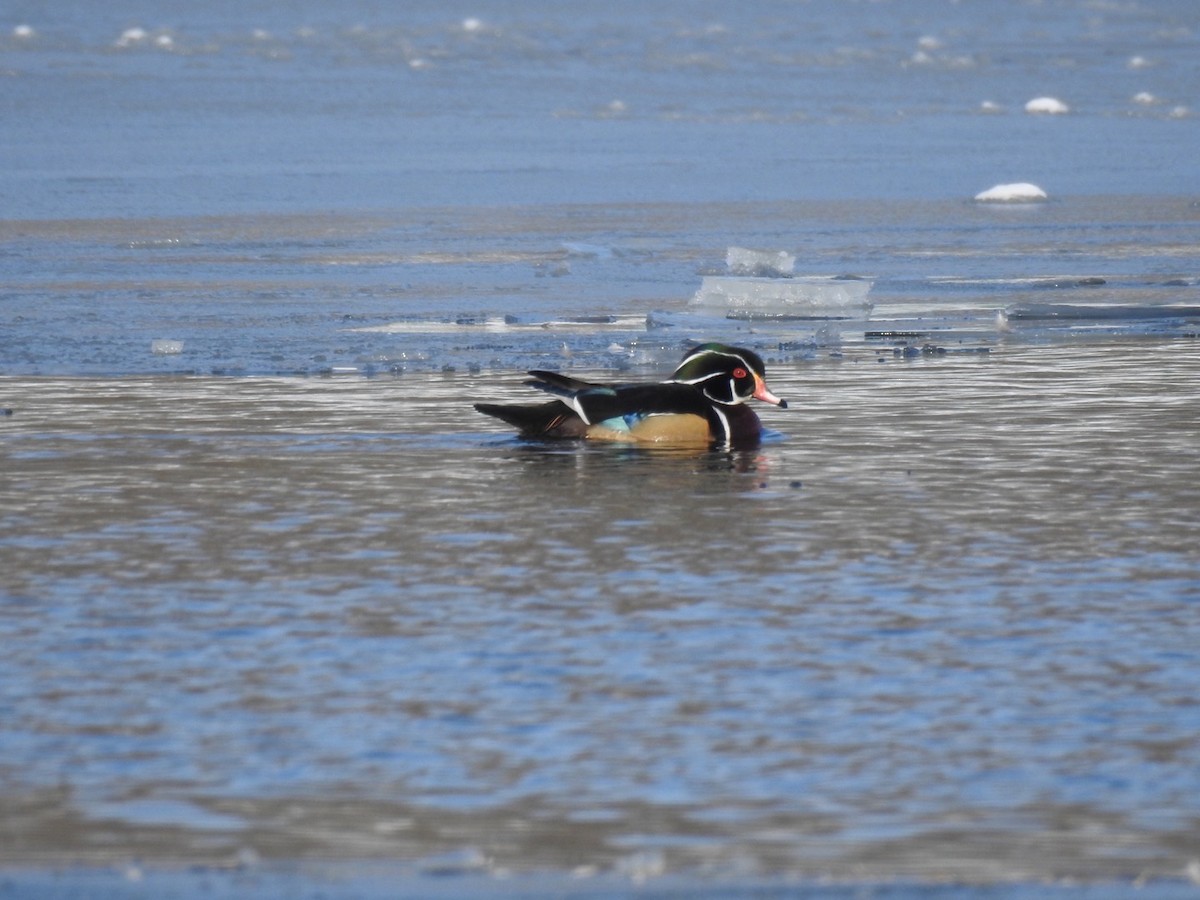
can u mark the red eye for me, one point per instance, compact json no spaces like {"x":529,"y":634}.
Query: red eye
{"x":739,"y":373}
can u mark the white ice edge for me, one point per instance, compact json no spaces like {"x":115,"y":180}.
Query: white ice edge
{"x":636,"y":322}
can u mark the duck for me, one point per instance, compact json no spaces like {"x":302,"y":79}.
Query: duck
{"x":702,"y":403}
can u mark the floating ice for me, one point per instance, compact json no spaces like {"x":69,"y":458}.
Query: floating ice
{"x":761,"y":263}
{"x":166,"y":348}
{"x":1145,"y":98}
{"x":1047,"y":106}
{"x":587,"y":251}
{"x":990,"y":106}
{"x":472,"y":24}
{"x":24,"y":32}
{"x":806,"y":297}
{"x":1138,"y":62}
{"x":131,"y":37}
{"x":1018,"y":192}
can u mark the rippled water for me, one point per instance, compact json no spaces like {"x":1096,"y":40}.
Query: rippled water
{"x":941,"y":626}
{"x":272,"y":593}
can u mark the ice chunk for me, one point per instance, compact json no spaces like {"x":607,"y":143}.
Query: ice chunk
{"x":587,"y":251}
{"x":761,"y":263}
{"x":1145,"y":98}
{"x":1018,"y":192}
{"x":1047,"y":106}
{"x":166,"y":348}
{"x":24,"y":32}
{"x":131,"y":37}
{"x":806,"y":297}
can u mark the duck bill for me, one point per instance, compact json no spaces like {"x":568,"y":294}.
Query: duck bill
{"x":762,"y":393}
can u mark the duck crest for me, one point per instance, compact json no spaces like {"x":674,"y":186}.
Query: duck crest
{"x":702,"y":403}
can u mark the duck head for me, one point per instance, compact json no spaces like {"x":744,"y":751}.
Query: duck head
{"x":726,"y":375}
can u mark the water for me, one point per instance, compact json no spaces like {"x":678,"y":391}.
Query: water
{"x":273,"y":595}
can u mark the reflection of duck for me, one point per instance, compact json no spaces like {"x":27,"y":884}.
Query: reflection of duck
{"x":702,"y":403}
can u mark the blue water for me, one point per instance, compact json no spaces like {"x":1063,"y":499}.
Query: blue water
{"x":260,"y":108}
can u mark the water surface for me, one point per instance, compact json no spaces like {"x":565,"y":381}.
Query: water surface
{"x":941,"y":626}
{"x":272,"y":596}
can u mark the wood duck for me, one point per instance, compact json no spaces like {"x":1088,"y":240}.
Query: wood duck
{"x":702,"y":403}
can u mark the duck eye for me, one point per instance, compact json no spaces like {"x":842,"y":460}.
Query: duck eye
{"x":739,"y":373}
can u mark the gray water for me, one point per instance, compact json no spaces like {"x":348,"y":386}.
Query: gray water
{"x":272,"y":594}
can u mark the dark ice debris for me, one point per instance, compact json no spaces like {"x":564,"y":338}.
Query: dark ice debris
{"x":911,"y":352}
{"x":1059,"y":283}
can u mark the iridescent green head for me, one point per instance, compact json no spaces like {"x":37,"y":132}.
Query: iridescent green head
{"x":726,"y":375}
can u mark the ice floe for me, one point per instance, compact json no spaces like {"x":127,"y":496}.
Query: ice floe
{"x":762,"y":263}
{"x":1051,"y":106}
{"x":802,"y":297}
{"x":132,"y":37}
{"x":497,"y":324}
{"x":1017,"y":192}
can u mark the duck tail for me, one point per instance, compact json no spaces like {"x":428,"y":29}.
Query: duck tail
{"x":543,"y":420}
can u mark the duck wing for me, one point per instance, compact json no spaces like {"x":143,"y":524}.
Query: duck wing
{"x":636,"y":401}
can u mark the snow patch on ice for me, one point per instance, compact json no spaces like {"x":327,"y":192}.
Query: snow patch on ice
{"x":1017,"y":192}
{"x":1050,"y":106}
